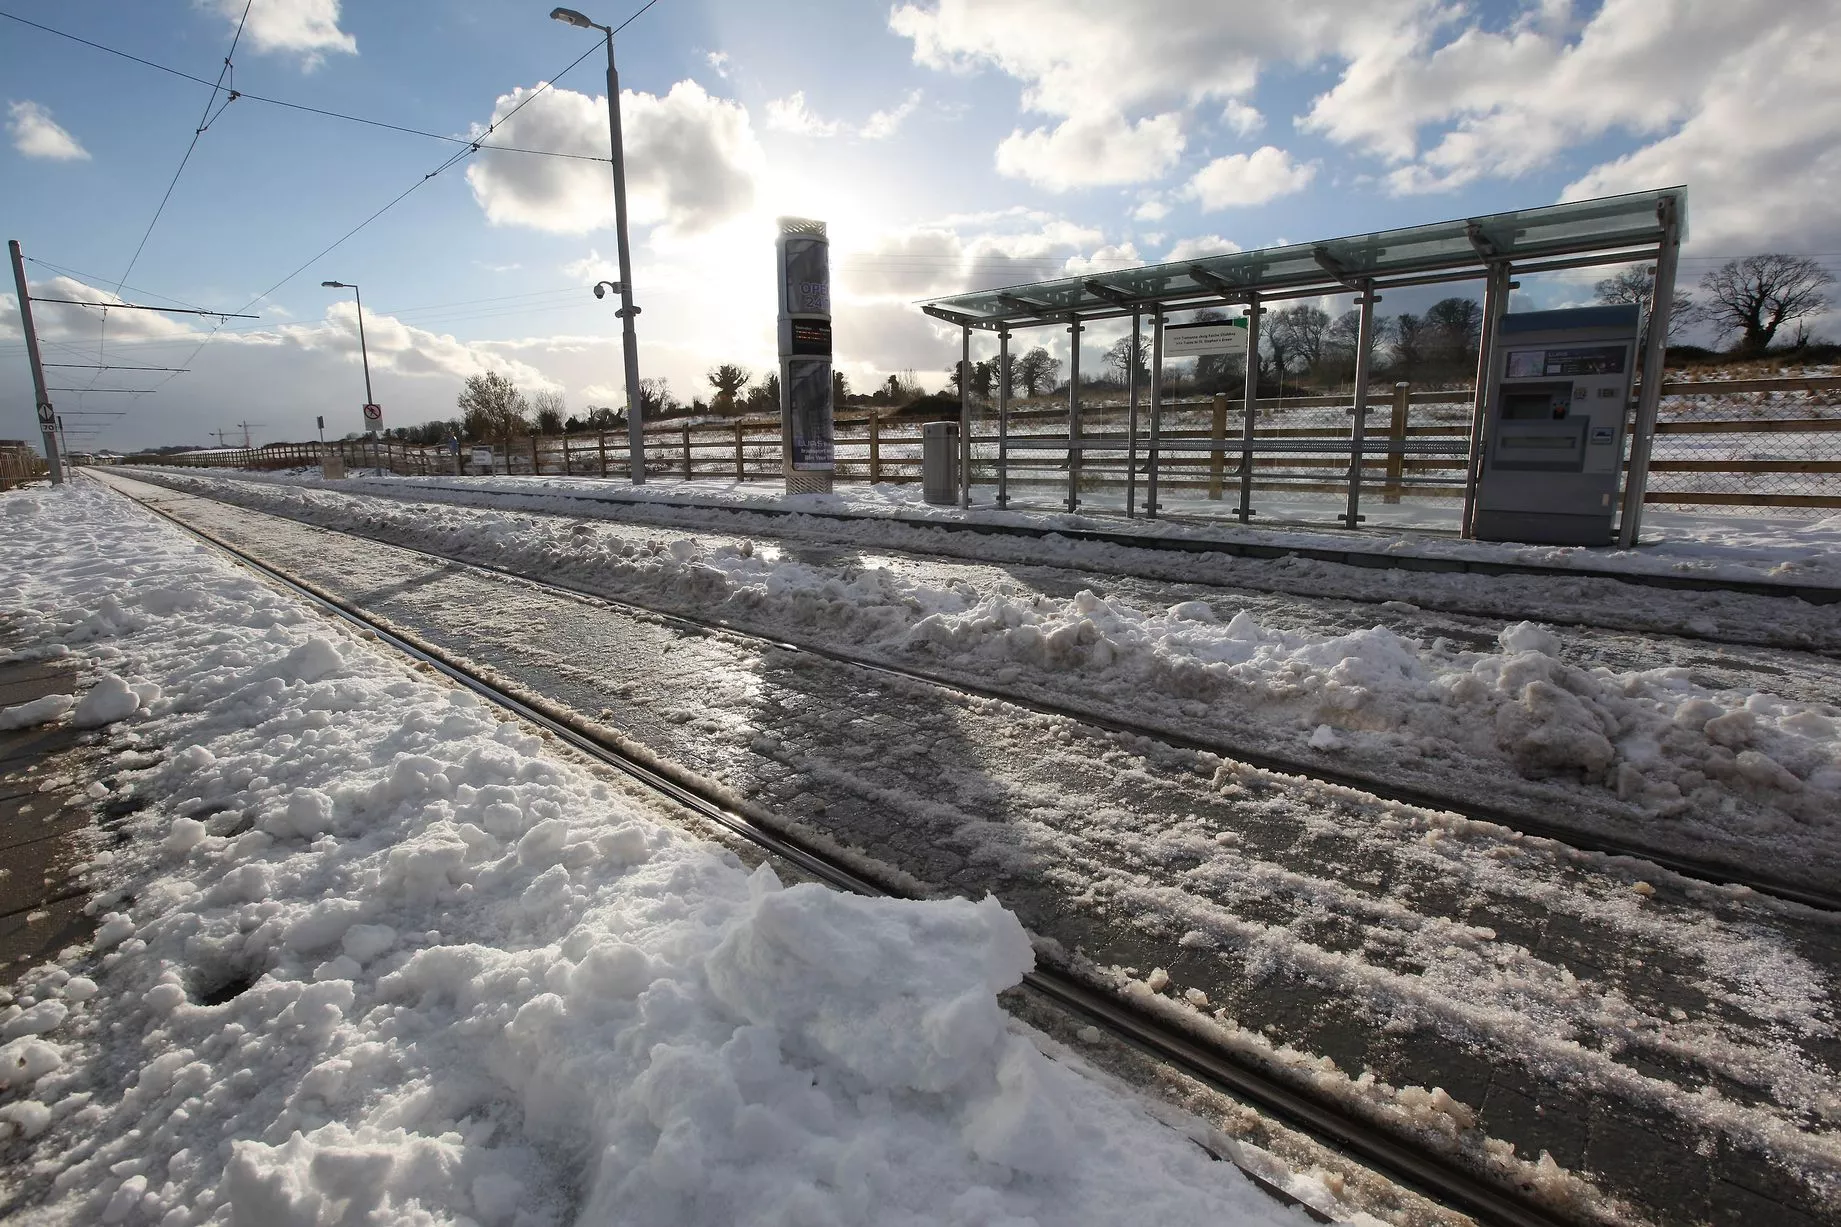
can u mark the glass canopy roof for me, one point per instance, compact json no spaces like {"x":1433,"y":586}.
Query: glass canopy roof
{"x":1579,"y":227}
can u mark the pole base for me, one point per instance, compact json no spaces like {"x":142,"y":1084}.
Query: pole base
{"x":809,"y":481}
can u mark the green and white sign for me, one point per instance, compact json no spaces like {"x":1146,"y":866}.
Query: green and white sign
{"x":1212,"y":337}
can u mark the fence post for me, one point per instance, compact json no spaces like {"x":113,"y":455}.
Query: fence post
{"x":602,"y":436}
{"x":536,"y":460}
{"x":568,"y":469}
{"x":1396,"y":441}
{"x":686,"y":453}
{"x":1253,"y":313}
{"x":741,"y":468}
{"x":875,"y":446}
{"x":1217,"y":458}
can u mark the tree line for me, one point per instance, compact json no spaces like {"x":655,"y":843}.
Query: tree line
{"x":1751,"y":304}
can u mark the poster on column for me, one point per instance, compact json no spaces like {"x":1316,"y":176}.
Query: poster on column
{"x":808,"y":398}
{"x":808,"y":275}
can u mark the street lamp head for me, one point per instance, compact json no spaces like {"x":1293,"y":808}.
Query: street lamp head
{"x":335,"y":285}
{"x":573,"y":18}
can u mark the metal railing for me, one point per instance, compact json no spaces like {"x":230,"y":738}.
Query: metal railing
{"x":1749,"y":443}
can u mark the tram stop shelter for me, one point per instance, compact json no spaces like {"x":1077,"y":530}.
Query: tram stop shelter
{"x":1640,"y":226}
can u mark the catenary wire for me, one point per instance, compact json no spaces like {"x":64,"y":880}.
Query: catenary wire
{"x":245,"y":95}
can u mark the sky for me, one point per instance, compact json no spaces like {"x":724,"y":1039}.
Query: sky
{"x":949,"y":145}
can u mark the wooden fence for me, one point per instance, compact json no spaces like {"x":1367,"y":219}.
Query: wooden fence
{"x":1733,"y":443}
{"x":20,"y":464}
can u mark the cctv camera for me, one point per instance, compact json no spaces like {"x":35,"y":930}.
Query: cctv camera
{"x":600,"y":290}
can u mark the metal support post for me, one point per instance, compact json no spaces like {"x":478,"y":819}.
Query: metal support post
{"x":1364,"y":337}
{"x":629,"y":341}
{"x":1495,"y":302}
{"x":47,"y":416}
{"x":1003,"y":417}
{"x":1649,"y":392}
{"x":965,"y":417}
{"x":1131,"y":420}
{"x":1254,"y":311}
{"x":1074,"y":453}
{"x":1150,"y":477}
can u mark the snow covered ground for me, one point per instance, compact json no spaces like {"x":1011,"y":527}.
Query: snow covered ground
{"x":1751,"y":546}
{"x":375,"y":954}
{"x":1747,"y":775}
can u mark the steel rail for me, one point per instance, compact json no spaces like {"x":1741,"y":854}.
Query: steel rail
{"x":1814,"y":594}
{"x":1707,"y":871}
{"x":1427,"y":1172}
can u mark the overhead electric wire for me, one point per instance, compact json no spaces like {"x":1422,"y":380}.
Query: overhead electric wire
{"x":456,"y":159}
{"x":245,"y":95}
{"x":204,"y":121}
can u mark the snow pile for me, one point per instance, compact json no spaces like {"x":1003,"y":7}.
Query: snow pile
{"x":374,"y":954}
{"x":1642,"y":744}
{"x":1738,"y":544}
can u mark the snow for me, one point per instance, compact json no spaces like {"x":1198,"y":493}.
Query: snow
{"x":38,"y":711}
{"x":378,"y":954}
{"x":1125,"y":847}
{"x":1736,"y":773}
{"x":1750,"y":545}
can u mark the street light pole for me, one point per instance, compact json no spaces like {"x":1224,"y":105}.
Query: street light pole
{"x":364,"y":354}
{"x":636,"y":445}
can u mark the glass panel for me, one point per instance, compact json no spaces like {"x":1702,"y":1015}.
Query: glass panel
{"x":1576,"y":226}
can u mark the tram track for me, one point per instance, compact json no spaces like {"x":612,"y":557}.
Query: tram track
{"x":1815,"y":594}
{"x":1382,"y":1148}
{"x":1289,"y":587}
{"x":1694,"y":869}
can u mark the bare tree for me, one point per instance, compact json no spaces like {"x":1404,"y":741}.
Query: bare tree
{"x":656,"y":400}
{"x":1037,"y":369}
{"x":1295,"y":336}
{"x":1756,"y":296}
{"x":1635,"y":285}
{"x":1343,"y":337}
{"x":728,"y":379}
{"x":1123,"y":355}
{"x":491,"y":407}
{"x":550,"y":409}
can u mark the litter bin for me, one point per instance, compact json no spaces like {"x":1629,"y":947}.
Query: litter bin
{"x":940,"y":462}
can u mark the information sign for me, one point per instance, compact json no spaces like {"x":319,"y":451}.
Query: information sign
{"x":1213,"y":337}
{"x":373,"y":417}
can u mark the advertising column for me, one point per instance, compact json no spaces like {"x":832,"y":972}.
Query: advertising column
{"x":805,"y":356}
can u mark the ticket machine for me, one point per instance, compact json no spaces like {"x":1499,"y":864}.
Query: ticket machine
{"x":1559,"y":396}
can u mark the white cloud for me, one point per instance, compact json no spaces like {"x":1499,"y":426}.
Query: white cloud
{"x":305,"y":369}
{"x":37,"y":135}
{"x":692,"y":161}
{"x":1104,"y":260}
{"x":718,"y":60}
{"x":592,"y":267}
{"x":955,"y":254}
{"x":1151,"y":209}
{"x":790,"y":114}
{"x":1243,"y":119}
{"x":1249,"y":179}
{"x":1203,"y":245}
{"x":1760,"y":156}
{"x":1511,"y":101}
{"x":307,"y":28}
{"x":1125,"y":79}
{"x":882,"y":124}
{"x":1093,"y":150}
